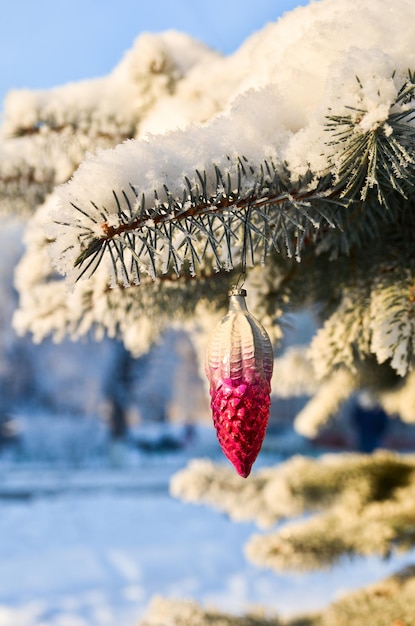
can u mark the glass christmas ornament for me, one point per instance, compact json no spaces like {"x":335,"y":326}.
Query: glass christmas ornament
{"x":239,"y":362}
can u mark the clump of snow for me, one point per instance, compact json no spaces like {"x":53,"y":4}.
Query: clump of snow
{"x":46,"y":133}
{"x":401,"y":401}
{"x":345,"y":333}
{"x":294,"y":374}
{"x":325,"y":404}
{"x":113,"y":104}
{"x":392,"y":322}
{"x":172,"y":155}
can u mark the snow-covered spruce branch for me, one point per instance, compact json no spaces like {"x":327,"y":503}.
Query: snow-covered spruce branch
{"x":167,"y":202}
{"x":384,"y":603}
{"x":362,"y":505}
{"x":246,"y":212}
{"x":377,"y":148}
{"x":33,"y":164}
{"x":376,"y":316}
{"x":112,"y":106}
{"x":203,"y":481}
{"x":324,"y":406}
{"x":45,"y":134}
{"x":47,"y":309}
{"x":164,"y":611}
{"x":295,"y":373}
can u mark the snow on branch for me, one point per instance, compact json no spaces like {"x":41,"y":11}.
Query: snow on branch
{"x":220,"y":487}
{"x":112,"y":105}
{"x":223,"y":191}
{"x":361,"y":505}
{"x":392,"y":318}
{"x":326,"y":402}
{"x":294,"y":374}
{"x":216,"y":192}
{"x":401,"y":400}
{"x":164,"y":611}
{"x":375,"y":317}
{"x":25,"y":177}
{"x":46,"y":134}
{"x":380,"y":602}
{"x":47,"y":309}
{"x":376,"y":147}
{"x":344,"y":333}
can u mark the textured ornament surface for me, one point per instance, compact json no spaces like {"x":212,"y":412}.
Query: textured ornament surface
{"x":239,"y":364}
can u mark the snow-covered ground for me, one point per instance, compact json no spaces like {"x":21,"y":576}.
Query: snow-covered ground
{"x":91,"y":547}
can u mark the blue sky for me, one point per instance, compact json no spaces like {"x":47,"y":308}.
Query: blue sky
{"x":52,"y":42}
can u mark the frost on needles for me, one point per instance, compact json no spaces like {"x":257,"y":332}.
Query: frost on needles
{"x":228,"y":191}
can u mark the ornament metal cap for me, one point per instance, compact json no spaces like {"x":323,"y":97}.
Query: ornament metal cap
{"x":237,"y":291}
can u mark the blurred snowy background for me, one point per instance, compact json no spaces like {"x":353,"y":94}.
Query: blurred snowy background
{"x":89,"y":436}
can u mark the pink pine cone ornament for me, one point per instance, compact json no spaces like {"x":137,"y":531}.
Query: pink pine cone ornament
{"x":239,"y":364}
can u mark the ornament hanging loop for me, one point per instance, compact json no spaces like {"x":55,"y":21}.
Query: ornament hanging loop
{"x":245,"y":242}
{"x":237,"y":286}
